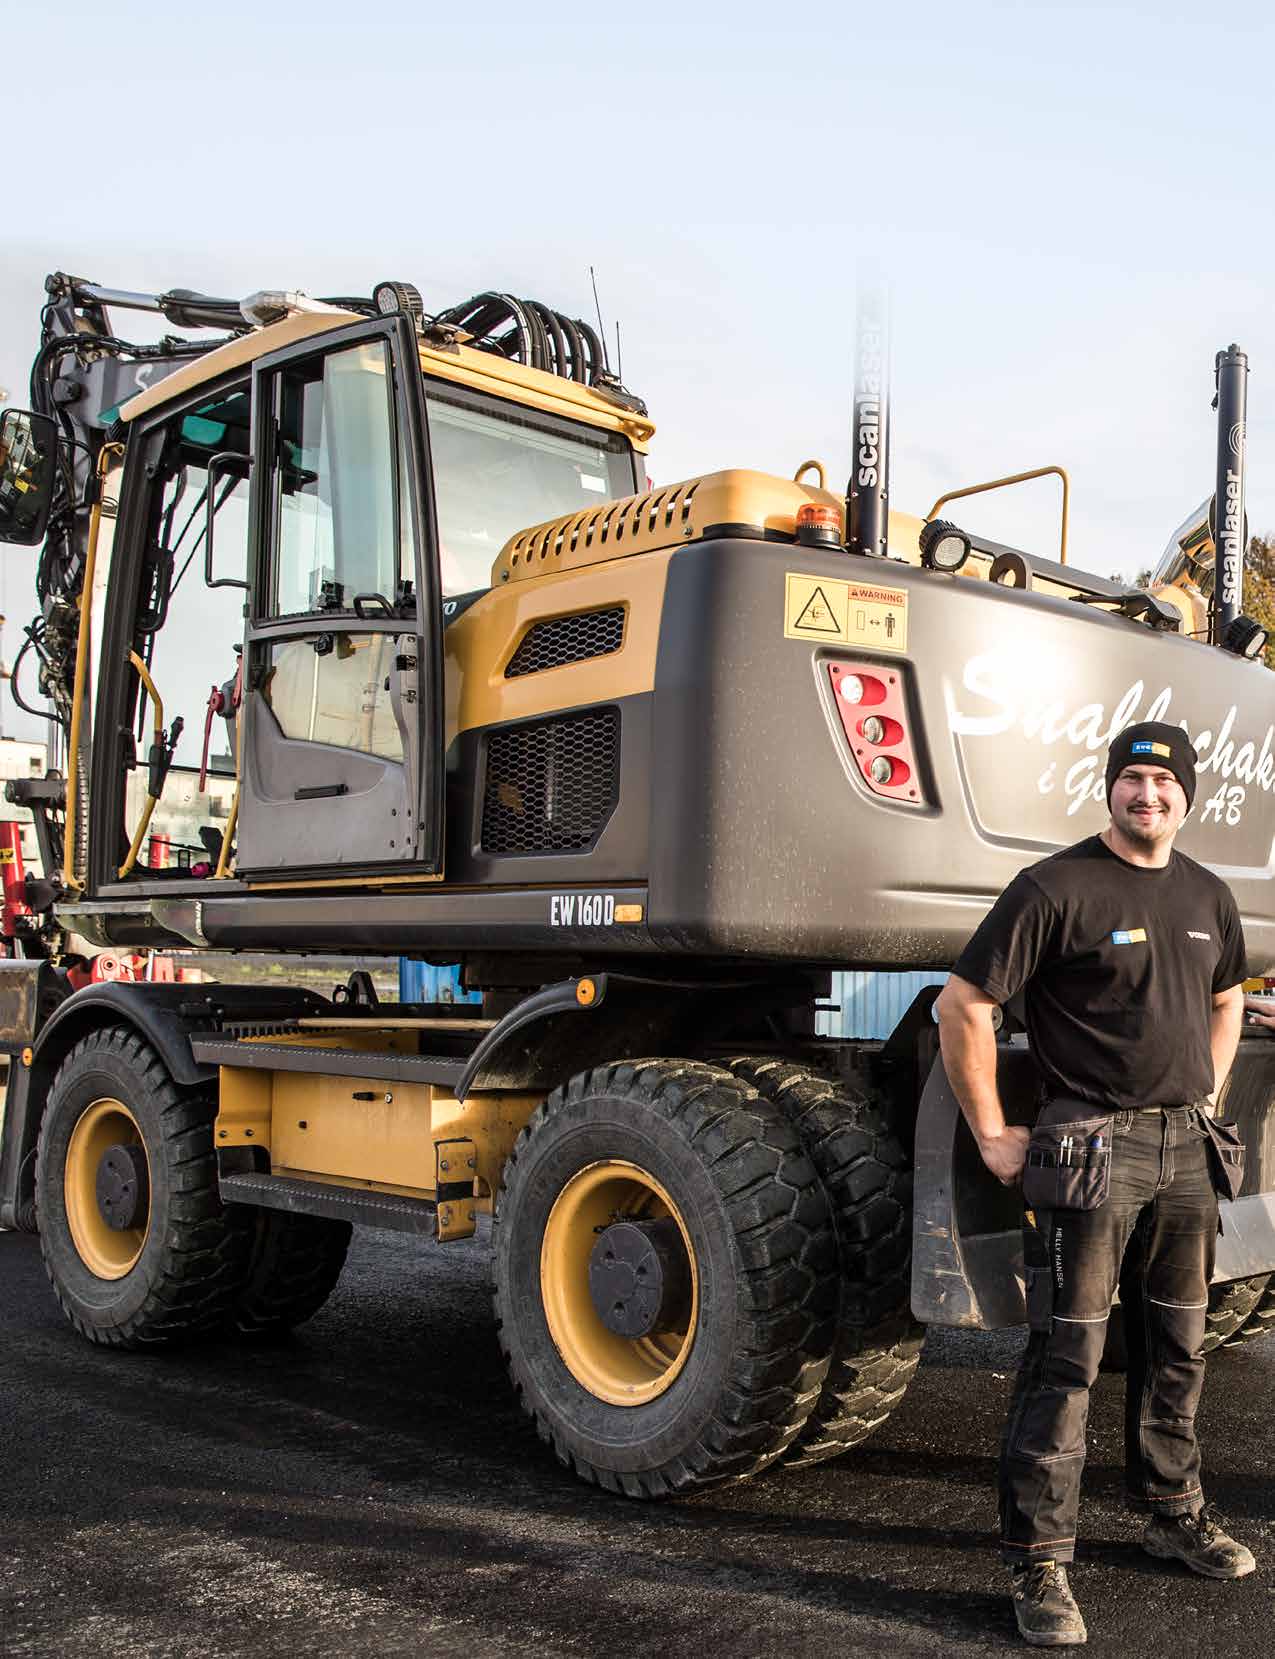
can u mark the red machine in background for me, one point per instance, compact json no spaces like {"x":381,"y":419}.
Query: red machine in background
{"x":16,"y":916}
{"x":18,"y":922}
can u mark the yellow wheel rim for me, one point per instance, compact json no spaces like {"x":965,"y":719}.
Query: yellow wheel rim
{"x":106,"y":1251}
{"x":620,"y":1370}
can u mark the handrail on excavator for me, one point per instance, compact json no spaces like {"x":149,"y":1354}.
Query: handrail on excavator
{"x":1015,"y":478}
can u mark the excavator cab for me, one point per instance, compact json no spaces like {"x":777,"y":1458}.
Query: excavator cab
{"x":286,"y":524}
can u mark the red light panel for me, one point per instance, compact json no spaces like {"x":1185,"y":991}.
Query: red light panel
{"x":883,"y":695}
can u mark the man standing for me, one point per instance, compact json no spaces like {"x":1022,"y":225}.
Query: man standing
{"x":1131,"y":957}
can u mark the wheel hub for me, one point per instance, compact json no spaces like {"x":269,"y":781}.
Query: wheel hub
{"x":123,"y":1186}
{"x":593,"y":1204}
{"x":639,"y":1277}
{"x":106,"y":1188}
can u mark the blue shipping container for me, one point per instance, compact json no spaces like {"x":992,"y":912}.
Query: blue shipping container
{"x":423,"y":982}
{"x":872,"y":1004}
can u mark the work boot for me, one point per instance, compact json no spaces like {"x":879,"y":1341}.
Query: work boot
{"x":1200,"y":1542}
{"x":1045,"y":1607}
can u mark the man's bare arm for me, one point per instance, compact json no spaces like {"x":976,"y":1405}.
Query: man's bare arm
{"x":1225,"y":1024}
{"x":968,"y":1040}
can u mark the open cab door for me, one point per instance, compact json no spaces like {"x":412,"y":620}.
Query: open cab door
{"x":341,"y":758}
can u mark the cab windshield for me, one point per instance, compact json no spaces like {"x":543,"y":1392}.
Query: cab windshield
{"x":499,"y":469}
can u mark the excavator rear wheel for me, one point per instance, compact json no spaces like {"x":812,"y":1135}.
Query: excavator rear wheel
{"x":665,"y":1277}
{"x":1261,"y":1321}
{"x":868,"y":1179}
{"x":1236,"y":1309}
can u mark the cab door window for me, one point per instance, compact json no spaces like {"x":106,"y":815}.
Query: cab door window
{"x":337,"y":689}
{"x":337,"y":661}
{"x":338,"y":531}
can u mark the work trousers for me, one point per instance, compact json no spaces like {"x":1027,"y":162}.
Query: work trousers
{"x":1155,"y":1236}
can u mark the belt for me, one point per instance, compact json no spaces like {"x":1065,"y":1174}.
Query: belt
{"x":1047,"y":1099}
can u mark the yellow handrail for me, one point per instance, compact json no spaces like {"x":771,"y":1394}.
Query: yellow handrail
{"x":1014,"y":478}
{"x":805,"y":467}
{"x":223,"y":857}
{"x":70,"y":878}
{"x":143,"y":674}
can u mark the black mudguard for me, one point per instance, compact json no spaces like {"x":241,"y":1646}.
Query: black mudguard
{"x":560,"y":1030}
{"x":167,"y":1016}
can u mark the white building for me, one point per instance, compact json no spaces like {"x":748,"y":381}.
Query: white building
{"x":20,"y":758}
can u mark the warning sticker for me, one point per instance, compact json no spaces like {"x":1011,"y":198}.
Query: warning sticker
{"x":814,"y":608}
{"x":6,"y":855}
{"x":845,"y":613}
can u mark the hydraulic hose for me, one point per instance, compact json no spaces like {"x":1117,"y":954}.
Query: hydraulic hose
{"x":526,"y":331}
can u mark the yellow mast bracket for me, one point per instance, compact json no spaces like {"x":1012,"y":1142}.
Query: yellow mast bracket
{"x":1003,"y":483}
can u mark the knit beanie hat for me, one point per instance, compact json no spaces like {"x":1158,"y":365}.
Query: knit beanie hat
{"x":1153,"y":743}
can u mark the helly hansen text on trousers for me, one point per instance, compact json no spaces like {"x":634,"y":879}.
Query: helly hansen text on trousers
{"x":1155,"y":1236}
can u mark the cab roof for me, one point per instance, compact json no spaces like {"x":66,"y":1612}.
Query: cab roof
{"x":480,"y":370}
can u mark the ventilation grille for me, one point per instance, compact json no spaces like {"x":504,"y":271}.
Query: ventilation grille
{"x":551,"y":784}
{"x":619,"y":524}
{"x":563,"y":639}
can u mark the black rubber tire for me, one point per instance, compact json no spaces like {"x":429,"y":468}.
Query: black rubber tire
{"x":193,"y":1260}
{"x":1233,"y":1306}
{"x":1261,"y":1320}
{"x":764,"y":1250}
{"x":866,"y":1174}
{"x":294,"y":1266}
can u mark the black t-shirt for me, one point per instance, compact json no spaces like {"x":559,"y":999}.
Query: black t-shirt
{"x":1120,"y":964}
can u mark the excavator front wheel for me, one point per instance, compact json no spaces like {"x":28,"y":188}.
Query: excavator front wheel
{"x":135,"y":1240}
{"x":107,"y":1188}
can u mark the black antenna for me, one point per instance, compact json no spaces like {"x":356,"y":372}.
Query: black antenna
{"x":867,"y":498}
{"x":602,"y":333}
{"x":619,"y":361}
{"x":1230,"y":521}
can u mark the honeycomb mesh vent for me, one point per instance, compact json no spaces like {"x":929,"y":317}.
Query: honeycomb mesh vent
{"x":563,"y":639}
{"x":551,"y":784}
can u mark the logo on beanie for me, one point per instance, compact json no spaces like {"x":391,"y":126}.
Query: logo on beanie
{"x":1145,"y":748}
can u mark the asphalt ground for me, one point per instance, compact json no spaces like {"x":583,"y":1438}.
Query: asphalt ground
{"x":369,"y":1487}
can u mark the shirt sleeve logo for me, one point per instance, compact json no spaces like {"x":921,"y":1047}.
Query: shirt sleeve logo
{"x":1129,"y":936}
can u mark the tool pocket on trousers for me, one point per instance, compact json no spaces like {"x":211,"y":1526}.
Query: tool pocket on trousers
{"x":1068,"y":1165}
{"x":1226,"y":1153}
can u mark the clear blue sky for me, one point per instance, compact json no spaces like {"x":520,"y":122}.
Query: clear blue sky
{"x":1072,"y":204}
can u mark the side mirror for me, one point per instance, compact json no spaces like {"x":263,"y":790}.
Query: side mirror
{"x":28,"y":467}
